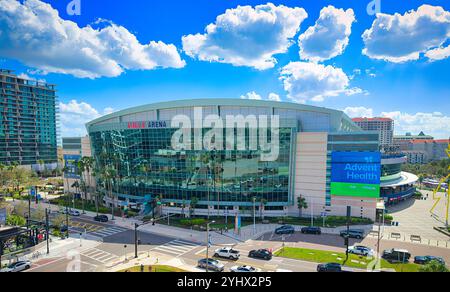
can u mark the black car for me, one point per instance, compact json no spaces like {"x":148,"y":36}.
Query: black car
{"x":329,"y":268}
{"x":396,"y":255}
{"x":427,"y":259}
{"x":286,"y":229}
{"x":358,"y":234}
{"x":312,"y":230}
{"x":264,"y":254}
{"x":101,"y":218}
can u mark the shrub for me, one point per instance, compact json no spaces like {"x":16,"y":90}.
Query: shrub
{"x":192,"y":222}
{"x":15,"y":220}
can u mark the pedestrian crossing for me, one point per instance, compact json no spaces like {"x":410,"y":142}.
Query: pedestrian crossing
{"x":177,"y":247}
{"x":108,"y":231}
{"x":99,"y":255}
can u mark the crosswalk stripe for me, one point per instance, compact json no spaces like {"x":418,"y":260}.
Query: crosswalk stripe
{"x":177,"y":247}
{"x":99,"y":255}
{"x":168,"y":251}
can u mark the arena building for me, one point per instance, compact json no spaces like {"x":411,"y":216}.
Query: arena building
{"x":323,"y":157}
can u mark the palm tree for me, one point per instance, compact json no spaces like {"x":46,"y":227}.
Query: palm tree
{"x":107,"y":175}
{"x":262,"y":204}
{"x":76,"y":186}
{"x":80,"y":172}
{"x":96,"y":173}
{"x":192,"y":205}
{"x":65,"y":170}
{"x":301,"y":204}
{"x":88,"y":163}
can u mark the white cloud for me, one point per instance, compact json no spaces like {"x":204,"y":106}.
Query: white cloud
{"x":329,"y":37}
{"x":255,"y":96}
{"x":35,"y":34}
{"x":359,"y":112}
{"x":274,"y":97}
{"x":247,"y":36}
{"x":435,"y":124}
{"x":252,"y":95}
{"x":401,"y":38}
{"x":438,"y":53}
{"x":310,"y":81}
{"x":74,"y":116}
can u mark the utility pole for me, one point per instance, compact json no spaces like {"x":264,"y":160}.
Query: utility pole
{"x":207,"y":245}
{"x":349,"y":214}
{"x":67,"y":216}
{"x":47,"y":231}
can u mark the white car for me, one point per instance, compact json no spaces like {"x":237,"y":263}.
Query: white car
{"x":361,"y":250}
{"x":17,"y":267}
{"x":74,"y":213}
{"x":227,"y":253}
{"x":244,"y":269}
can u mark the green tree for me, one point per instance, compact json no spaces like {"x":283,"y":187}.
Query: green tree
{"x":434,"y":267}
{"x":192,"y":205}
{"x":301,"y":205}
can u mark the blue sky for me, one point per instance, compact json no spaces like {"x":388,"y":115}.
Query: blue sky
{"x":401,"y":75}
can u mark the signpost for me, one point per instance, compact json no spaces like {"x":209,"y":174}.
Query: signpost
{"x":324,"y":216}
{"x":3,"y":216}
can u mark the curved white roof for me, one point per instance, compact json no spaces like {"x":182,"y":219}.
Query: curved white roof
{"x":406,"y":178}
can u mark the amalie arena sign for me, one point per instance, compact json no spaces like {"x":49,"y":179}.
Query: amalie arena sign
{"x":356,"y":174}
{"x":147,"y":125}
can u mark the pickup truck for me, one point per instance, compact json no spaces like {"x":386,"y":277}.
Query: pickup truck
{"x":227,"y":253}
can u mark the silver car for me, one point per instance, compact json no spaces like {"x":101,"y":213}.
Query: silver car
{"x":17,"y":267}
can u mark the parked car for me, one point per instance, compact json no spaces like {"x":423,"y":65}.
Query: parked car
{"x":17,"y":267}
{"x":101,"y":218}
{"x":264,"y":254}
{"x":361,"y":250}
{"x":312,"y":230}
{"x":396,"y":255}
{"x":244,"y":269}
{"x":227,"y":253}
{"x":286,"y":229}
{"x":74,"y":213}
{"x":353,"y":233}
{"x":329,"y":268}
{"x":212,"y":265}
{"x":423,"y":260}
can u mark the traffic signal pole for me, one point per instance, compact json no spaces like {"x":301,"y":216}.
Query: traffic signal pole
{"x":47,"y":231}
{"x":136,"y":240}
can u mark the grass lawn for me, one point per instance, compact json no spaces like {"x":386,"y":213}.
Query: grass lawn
{"x":319,"y":256}
{"x":156,"y":269}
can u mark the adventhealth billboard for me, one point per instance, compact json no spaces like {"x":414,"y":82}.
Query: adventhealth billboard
{"x":356,"y":174}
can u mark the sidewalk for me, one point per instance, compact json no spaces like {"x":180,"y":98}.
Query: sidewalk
{"x":149,"y":260}
{"x":58,"y":248}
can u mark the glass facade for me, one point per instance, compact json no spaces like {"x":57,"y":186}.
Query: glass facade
{"x":147,"y":165}
{"x":28,"y":132}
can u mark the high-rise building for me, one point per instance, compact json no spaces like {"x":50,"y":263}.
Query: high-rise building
{"x":28,"y":122}
{"x":385,"y":126}
{"x":74,"y":149}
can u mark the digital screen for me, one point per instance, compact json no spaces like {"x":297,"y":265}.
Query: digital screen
{"x":356,"y":174}
{"x":71,"y":163}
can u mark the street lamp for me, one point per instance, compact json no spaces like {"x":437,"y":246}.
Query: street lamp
{"x":208,"y":243}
